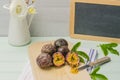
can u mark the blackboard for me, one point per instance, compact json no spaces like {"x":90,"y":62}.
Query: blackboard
{"x":96,"y":21}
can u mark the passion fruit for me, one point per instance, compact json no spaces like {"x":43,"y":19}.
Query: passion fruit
{"x":58,"y":59}
{"x":73,"y":59}
{"x":48,"y":48}
{"x":64,"y":50}
{"x":60,"y":42}
{"x":44,"y":60}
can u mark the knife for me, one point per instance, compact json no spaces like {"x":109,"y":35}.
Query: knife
{"x":96,"y":62}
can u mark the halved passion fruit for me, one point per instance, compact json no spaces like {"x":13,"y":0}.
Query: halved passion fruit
{"x":58,"y":59}
{"x":73,"y":59}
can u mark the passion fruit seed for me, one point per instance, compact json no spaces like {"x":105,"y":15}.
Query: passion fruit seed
{"x":48,"y":48}
{"x":64,"y":50}
{"x":60,"y":42}
{"x":58,"y":59}
{"x":44,"y":60}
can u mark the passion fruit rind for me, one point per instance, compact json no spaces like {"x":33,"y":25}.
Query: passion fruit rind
{"x":73,"y":59}
{"x":60,"y":42}
{"x":64,"y":50}
{"x":48,"y":48}
{"x":58,"y":59}
{"x":44,"y":60}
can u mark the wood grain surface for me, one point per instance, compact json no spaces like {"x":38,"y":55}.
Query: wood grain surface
{"x":62,"y":73}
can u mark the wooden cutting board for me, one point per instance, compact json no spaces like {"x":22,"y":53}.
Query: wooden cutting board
{"x":62,"y":73}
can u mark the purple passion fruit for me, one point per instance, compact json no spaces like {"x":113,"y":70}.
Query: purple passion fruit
{"x":48,"y":48}
{"x":64,"y":50}
{"x":60,"y":42}
{"x":44,"y":60}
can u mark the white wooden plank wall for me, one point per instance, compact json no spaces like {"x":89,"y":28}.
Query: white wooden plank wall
{"x":52,"y":18}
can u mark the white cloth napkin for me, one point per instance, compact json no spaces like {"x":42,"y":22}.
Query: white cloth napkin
{"x":27,"y":71}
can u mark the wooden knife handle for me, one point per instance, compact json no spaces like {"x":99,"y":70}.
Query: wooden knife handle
{"x":100,"y":61}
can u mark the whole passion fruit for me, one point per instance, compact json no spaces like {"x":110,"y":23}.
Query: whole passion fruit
{"x":64,"y":50}
{"x":44,"y":60}
{"x":60,"y":42}
{"x":48,"y":48}
{"x":58,"y":59}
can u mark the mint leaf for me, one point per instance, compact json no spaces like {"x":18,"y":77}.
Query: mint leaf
{"x":75,"y":47}
{"x":99,"y":77}
{"x":95,"y":70}
{"x":104,"y":49}
{"x":81,"y":59}
{"x":95,"y":76}
{"x":113,"y":51}
{"x":92,"y":76}
{"x":82,"y":54}
{"x":111,"y":45}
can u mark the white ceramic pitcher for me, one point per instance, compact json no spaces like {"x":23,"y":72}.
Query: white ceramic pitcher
{"x":19,"y":24}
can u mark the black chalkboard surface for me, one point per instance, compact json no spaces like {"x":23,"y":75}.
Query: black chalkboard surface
{"x":99,"y":21}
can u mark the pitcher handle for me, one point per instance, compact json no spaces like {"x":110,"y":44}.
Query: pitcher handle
{"x":30,"y":19}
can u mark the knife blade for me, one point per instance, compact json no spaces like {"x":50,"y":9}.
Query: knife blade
{"x":96,"y":62}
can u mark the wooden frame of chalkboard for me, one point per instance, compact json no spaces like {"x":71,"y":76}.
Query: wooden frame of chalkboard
{"x":87,"y":36}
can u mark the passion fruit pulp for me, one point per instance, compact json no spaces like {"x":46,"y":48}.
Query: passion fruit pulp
{"x":58,"y":59}
{"x":73,"y":59}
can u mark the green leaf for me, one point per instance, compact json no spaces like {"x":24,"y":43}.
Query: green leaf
{"x":104,"y":49}
{"x":95,"y":76}
{"x":99,"y":77}
{"x":92,"y":76}
{"x":95,"y":70}
{"x":82,"y":54}
{"x":111,"y":45}
{"x":81,"y":59}
{"x":113,"y":51}
{"x":75,"y":47}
